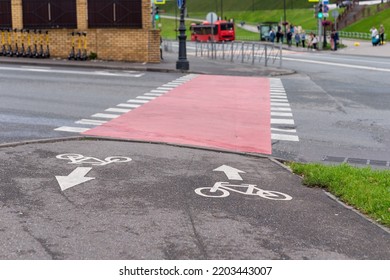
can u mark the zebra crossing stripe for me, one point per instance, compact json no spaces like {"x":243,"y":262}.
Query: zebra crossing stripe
{"x":284,"y":137}
{"x":128,"y":105}
{"x":105,"y":116}
{"x":281,"y":114}
{"x":117,"y":110}
{"x":72,"y":129}
{"x":90,"y":122}
{"x":137,"y":101}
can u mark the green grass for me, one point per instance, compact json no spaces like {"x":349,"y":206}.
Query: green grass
{"x":363,"y":188}
{"x":366,"y":24}
{"x":301,"y":14}
{"x":195,"y":6}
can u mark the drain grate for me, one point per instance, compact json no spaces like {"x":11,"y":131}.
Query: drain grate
{"x":360,"y":161}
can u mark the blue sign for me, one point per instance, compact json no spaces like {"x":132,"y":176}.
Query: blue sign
{"x":179,"y":3}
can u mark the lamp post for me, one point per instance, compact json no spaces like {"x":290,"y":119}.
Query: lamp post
{"x":182,"y":62}
{"x":221,"y":9}
{"x":285,"y":20}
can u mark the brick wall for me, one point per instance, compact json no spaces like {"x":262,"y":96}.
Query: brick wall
{"x":122,"y":44}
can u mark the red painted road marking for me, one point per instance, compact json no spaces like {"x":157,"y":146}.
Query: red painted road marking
{"x":225,"y":112}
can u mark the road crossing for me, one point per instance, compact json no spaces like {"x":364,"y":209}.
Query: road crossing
{"x":282,"y":122}
{"x":254,"y":108}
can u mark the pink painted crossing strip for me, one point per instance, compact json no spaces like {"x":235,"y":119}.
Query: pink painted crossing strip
{"x":222,"y":112}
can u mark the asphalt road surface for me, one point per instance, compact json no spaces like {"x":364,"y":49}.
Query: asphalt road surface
{"x":118,"y":200}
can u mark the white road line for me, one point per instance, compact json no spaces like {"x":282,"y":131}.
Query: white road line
{"x":283,"y":137}
{"x":282,"y":121}
{"x":165,"y":88}
{"x":158,"y":91}
{"x":105,"y":116}
{"x":284,"y":130}
{"x":57,"y":71}
{"x":72,"y":129}
{"x":137,"y":101}
{"x":280,"y":104}
{"x":280,"y":109}
{"x":128,"y":105}
{"x":278,"y":114}
{"x":339,"y":64}
{"x":170,"y":85}
{"x":173,"y":84}
{"x":279,"y":96}
{"x":153,"y":94}
{"x":146,"y":97}
{"x":117,"y":110}
{"x":90,"y":122}
{"x":279,"y":100}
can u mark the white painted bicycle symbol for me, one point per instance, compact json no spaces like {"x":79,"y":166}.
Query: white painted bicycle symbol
{"x":80,"y":159}
{"x":221,"y":189}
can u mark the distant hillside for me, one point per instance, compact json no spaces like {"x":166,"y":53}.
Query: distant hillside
{"x":196,"y":6}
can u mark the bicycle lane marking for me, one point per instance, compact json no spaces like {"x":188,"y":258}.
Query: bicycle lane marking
{"x":224,"y":112}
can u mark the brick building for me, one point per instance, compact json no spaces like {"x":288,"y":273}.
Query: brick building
{"x":116,"y":29}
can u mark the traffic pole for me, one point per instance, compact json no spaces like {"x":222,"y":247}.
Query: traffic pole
{"x":182,"y":62}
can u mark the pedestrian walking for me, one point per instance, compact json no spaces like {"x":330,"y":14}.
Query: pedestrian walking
{"x":382,"y":34}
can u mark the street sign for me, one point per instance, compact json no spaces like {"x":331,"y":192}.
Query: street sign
{"x":179,"y":3}
{"x":335,"y":13}
{"x":159,"y":2}
{"x":211,"y":17}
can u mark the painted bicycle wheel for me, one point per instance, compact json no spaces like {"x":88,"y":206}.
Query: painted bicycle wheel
{"x":207,"y":193}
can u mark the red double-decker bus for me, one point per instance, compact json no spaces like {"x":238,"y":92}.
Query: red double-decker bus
{"x":219,"y":31}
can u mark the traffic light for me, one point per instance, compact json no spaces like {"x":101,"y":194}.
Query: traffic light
{"x":320,"y":14}
{"x":156,"y":13}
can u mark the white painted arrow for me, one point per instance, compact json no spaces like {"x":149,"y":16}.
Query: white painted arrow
{"x":75,"y":178}
{"x":231,"y":172}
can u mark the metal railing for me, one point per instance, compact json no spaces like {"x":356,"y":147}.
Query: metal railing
{"x":351,"y":35}
{"x":242,"y":52}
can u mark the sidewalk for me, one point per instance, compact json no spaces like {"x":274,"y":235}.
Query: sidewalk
{"x":362,"y":47}
{"x":168,"y":64}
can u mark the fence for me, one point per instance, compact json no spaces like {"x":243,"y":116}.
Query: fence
{"x":351,"y":35}
{"x":241,"y":52}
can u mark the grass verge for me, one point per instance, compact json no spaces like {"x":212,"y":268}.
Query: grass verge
{"x":365,"y":189}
